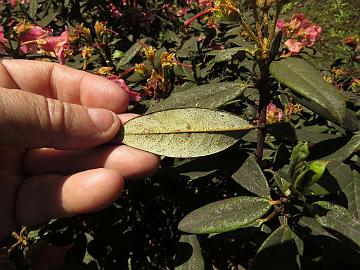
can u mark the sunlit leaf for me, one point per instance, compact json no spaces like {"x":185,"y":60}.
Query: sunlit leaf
{"x":225,"y":215}
{"x":302,"y":78}
{"x":210,"y":96}
{"x":190,"y":132}
{"x":251,"y":177}
{"x":339,"y":219}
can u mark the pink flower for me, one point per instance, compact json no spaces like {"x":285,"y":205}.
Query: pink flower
{"x":273,"y":114}
{"x":294,"y":46}
{"x":280,"y":24}
{"x":134,"y":96}
{"x":3,"y":40}
{"x":181,"y":12}
{"x":205,"y":3}
{"x":12,"y":3}
{"x":57,"y":45}
{"x":300,"y":33}
{"x":29,"y":37}
{"x":312,"y":34}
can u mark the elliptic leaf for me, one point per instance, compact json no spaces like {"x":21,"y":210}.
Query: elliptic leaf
{"x":190,"y":132}
{"x":33,"y":8}
{"x":349,"y":182}
{"x":209,"y":96}
{"x":130,"y":54}
{"x":193,"y":262}
{"x":315,"y":228}
{"x":252,"y":178}
{"x":280,"y":245}
{"x":225,"y":215}
{"x":302,"y":78}
{"x":347,"y":150}
{"x":339,"y":219}
{"x":226,"y":54}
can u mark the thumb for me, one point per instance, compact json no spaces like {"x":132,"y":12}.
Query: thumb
{"x":33,"y":121}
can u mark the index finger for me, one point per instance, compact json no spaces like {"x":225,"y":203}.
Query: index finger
{"x":63,"y":83}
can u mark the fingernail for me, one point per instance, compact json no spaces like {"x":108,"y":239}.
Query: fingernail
{"x":103,"y":119}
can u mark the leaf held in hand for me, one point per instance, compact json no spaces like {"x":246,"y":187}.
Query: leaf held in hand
{"x":189,"y":132}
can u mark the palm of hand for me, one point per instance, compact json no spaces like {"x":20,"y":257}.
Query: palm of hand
{"x":52,"y":159}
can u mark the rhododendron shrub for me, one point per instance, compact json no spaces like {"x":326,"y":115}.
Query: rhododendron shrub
{"x":207,"y":73}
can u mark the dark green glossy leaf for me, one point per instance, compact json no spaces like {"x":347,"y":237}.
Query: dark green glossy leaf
{"x":189,"y":245}
{"x":349,"y":182}
{"x":339,"y":219}
{"x":225,"y":215}
{"x":307,"y":134}
{"x":278,"y":251}
{"x":315,"y":228}
{"x":252,"y":178}
{"x":209,"y":96}
{"x":353,"y":146}
{"x":302,"y":78}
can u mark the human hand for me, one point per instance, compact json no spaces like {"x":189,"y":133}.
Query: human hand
{"x":48,"y":105}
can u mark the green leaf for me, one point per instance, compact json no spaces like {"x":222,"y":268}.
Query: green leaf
{"x":278,"y":251}
{"x":130,"y":54}
{"x":190,"y":132}
{"x":33,"y":8}
{"x":225,"y":215}
{"x":226,"y":54}
{"x":302,"y":78}
{"x":282,"y":181}
{"x":298,"y":155}
{"x":335,"y":176}
{"x":349,"y":182}
{"x":189,"y":245}
{"x":252,"y":178}
{"x":346,"y":151}
{"x":48,"y":19}
{"x":209,"y":96}
{"x":315,"y":228}
{"x":339,"y":219}
{"x":310,"y":175}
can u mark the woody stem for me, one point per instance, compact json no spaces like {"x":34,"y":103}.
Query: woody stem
{"x":264,"y":92}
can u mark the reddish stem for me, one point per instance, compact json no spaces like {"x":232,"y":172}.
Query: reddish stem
{"x":202,"y":13}
{"x":126,"y":71}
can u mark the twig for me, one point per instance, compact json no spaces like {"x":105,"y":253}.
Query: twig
{"x":274,"y":21}
{"x":257,"y":20}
